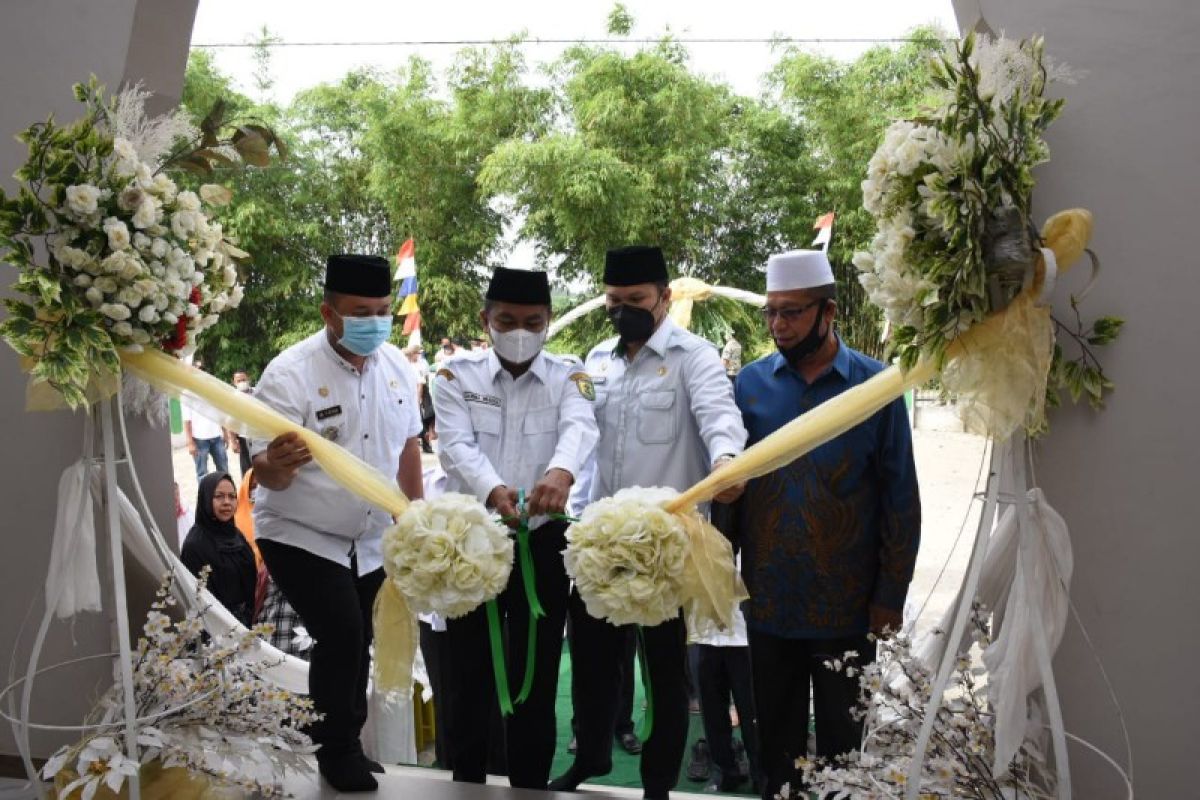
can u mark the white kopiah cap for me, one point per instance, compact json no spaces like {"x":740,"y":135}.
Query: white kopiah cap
{"x":798,"y":269}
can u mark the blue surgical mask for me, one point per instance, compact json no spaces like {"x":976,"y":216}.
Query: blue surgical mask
{"x":363,"y":335}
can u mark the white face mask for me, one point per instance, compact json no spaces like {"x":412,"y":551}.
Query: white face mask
{"x":243,"y":386}
{"x":517,"y":346}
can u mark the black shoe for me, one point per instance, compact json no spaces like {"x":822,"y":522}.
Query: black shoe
{"x":629,"y":742}
{"x":718,"y":783}
{"x":698,"y":767}
{"x":569,"y":781}
{"x":573,"y":746}
{"x":348,"y":774}
{"x":741,"y":758}
{"x":374,"y":766}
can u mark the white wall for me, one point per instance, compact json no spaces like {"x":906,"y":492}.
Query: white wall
{"x":45,"y":47}
{"x":1126,"y":479}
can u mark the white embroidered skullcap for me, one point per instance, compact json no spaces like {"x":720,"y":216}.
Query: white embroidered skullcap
{"x":798,"y":269}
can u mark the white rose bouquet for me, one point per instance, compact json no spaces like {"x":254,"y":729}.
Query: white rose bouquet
{"x":627,"y":555}
{"x":113,"y":254}
{"x":448,"y":556}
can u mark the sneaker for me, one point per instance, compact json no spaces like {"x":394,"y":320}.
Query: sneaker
{"x":698,"y":766}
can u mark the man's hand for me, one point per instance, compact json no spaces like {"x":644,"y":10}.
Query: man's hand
{"x":550,"y":494}
{"x":884,"y":620}
{"x":233,"y":444}
{"x":191,"y":445}
{"x":731,"y":494}
{"x":277,"y":466}
{"x":504,"y":500}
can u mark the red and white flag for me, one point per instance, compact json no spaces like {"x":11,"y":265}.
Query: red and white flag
{"x":824,"y":228}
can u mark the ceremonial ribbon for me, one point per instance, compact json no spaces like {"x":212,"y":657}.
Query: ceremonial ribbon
{"x":535,"y":606}
{"x":498,"y":670}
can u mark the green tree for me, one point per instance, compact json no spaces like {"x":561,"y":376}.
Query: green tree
{"x":842,"y":109}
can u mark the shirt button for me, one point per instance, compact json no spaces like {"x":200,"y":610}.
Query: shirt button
{"x":366,"y":436}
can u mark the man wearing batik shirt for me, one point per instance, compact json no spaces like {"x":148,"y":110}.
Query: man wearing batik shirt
{"x":829,"y":541}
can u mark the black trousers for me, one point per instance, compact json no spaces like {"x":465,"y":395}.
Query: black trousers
{"x":596,"y":661}
{"x":433,"y":643}
{"x":530,"y":732}
{"x":782,"y":669}
{"x":244,"y":455}
{"x":628,"y":664}
{"x":723,"y":672}
{"x":335,"y":606}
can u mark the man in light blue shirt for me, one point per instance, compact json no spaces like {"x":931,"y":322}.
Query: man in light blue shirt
{"x":667,"y":417}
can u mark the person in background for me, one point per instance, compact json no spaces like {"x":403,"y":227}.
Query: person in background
{"x":239,"y":443}
{"x":214,"y":541}
{"x":447,"y":349}
{"x":420,"y":367}
{"x":731,"y":356}
{"x":204,"y":437}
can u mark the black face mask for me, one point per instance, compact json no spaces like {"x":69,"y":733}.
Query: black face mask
{"x":634,"y":324}
{"x":810,"y":343}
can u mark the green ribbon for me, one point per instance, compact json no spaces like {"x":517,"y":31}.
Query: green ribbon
{"x":536,"y":611}
{"x":501,"y":674}
{"x":647,"y":725}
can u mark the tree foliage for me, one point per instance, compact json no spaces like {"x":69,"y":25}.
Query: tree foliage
{"x":609,"y":146}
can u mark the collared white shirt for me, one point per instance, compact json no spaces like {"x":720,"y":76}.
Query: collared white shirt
{"x":202,"y":426}
{"x":496,"y":430}
{"x":372,"y":414}
{"x":665,"y":416}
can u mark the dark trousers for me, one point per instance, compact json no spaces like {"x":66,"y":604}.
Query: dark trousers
{"x":723,"y":672}
{"x":530,"y":732}
{"x":244,"y":455}
{"x":782,"y":669}
{"x":335,"y":604}
{"x":628,"y":664}
{"x":433,"y":643}
{"x":596,"y":656}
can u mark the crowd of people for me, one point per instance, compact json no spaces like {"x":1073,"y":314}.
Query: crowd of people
{"x":826,"y":544}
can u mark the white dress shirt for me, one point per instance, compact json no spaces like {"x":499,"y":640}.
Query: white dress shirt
{"x":202,"y":426}
{"x":496,"y":430}
{"x":665,"y":416}
{"x":372,"y":414}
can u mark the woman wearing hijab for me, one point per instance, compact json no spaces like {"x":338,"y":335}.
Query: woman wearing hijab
{"x":216,"y":542}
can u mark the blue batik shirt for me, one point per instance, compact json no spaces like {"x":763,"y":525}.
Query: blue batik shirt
{"x":837,"y":530}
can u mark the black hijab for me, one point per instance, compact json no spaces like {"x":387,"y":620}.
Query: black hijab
{"x":221,"y":546}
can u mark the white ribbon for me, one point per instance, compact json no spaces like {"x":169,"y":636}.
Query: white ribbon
{"x":73,"y":581}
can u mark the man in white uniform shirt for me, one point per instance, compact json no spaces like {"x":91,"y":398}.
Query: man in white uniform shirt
{"x":667,"y":417}
{"x":321,"y":543}
{"x":513,"y":419}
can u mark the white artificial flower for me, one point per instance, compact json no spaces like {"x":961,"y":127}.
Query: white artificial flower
{"x":142,"y":242}
{"x":140,"y":336}
{"x":170,"y":318}
{"x":83,"y":280}
{"x":118,"y":234}
{"x":83,"y":199}
{"x":187,"y":201}
{"x":148,"y":313}
{"x":146,"y":214}
{"x":94,"y":296}
{"x":123,"y":329}
{"x":182,"y":224}
{"x":235,"y":296}
{"x":448,"y":555}
{"x":163,"y":187}
{"x":230,"y":275}
{"x":115,"y":311}
{"x":105,"y":284}
{"x":626,"y":555}
{"x":159,"y":248}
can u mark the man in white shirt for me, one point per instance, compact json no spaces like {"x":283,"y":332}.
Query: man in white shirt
{"x":204,"y":437}
{"x":321,"y":543}
{"x":667,"y":417}
{"x":513,"y":421}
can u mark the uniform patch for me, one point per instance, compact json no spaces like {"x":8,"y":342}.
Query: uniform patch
{"x":326,"y":413}
{"x":445,"y":373}
{"x":331,"y":432}
{"x":583,"y":382}
{"x":484,"y":399}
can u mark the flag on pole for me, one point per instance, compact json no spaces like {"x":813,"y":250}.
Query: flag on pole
{"x":406,"y":274}
{"x":824,"y":228}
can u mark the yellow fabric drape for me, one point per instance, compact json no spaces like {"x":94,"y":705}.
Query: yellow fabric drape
{"x":685,"y":293}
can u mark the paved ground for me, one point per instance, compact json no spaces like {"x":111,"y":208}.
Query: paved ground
{"x":948,"y":466}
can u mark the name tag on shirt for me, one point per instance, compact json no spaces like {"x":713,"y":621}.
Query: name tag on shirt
{"x":483,"y":399}
{"x":326,"y":413}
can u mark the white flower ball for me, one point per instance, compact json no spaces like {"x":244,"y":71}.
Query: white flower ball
{"x":83,"y":199}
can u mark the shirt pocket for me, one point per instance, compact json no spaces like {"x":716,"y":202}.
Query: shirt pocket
{"x":540,"y":429}
{"x":656,"y":417}
{"x":485,"y":420}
